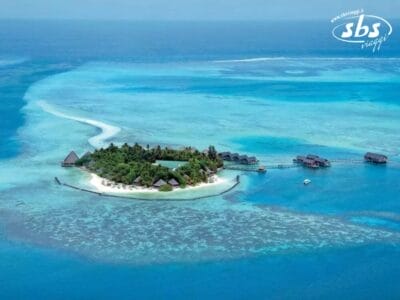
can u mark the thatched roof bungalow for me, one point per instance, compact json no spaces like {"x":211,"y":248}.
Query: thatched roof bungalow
{"x":137,"y":181}
{"x":173,"y":182}
{"x":247,"y":160}
{"x":322,"y":162}
{"x":159,"y":183}
{"x":70,"y":160}
{"x":299,"y":159}
{"x":312,"y":161}
{"x":225,"y":155}
{"x":375,"y":158}
{"x":235,"y":156}
{"x":312,"y":156}
{"x":87,"y":154}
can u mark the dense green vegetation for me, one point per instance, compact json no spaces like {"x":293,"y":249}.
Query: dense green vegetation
{"x":166,"y":188}
{"x":126,"y":163}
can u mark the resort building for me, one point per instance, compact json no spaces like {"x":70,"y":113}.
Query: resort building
{"x":137,"y":181}
{"x":225,"y":155}
{"x":173,"y":182}
{"x":236,"y":157}
{"x":159,"y":183}
{"x":87,"y":154}
{"x":246,"y":160}
{"x":322,"y":162}
{"x":312,"y":161}
{"x":375,"y":158}
{"x":299,"y":159}
{"x":70,"y":160}
{"x":312,"y":156}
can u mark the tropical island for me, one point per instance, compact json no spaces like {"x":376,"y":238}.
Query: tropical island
{"x":151,"y":167}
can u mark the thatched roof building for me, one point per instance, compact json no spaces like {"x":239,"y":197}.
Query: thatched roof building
{"x":159,"y":183}
{"x":138,"y":180}
{"x":247,"y":160}
{"x":312,"y":161}
{"x":225,"y":155}
{"x":87,"y":154}
{"x":375,"y":158}
{"x":173,"y":182}
{"x":322,"y":162}
{"x":312,"y":156}
{"x":299,"y":159}
{"x":70,"y":160}
{"x":236,"y":157}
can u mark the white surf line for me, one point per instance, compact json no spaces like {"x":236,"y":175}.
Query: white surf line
{"x":97,"y":141}
{"x":311,"y":58}
{"x":255,"y":59}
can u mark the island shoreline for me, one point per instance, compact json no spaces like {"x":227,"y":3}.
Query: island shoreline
{"x":99,"y":184}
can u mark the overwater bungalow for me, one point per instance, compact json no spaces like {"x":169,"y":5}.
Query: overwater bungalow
{"x":235,"y":156}
{"x":247,"y":160}
{"x":322,"y":162}
{"x":243,"y":159}
{"x":225,"y":155}
{"x":70,"y":160}
{"x":173,"y":182}
{"x":253,"y":159}
{"x":159,"y":183}
{"x":299,"y":159}
{"x":375,"y":158}
{"x":312,"y":161}
{"x":312,"y":156}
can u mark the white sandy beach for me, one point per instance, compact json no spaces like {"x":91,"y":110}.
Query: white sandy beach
{"x":102,"y":186}
{"x":97,"y":141}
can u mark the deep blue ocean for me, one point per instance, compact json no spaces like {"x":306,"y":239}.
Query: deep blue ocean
{"x":31,"y":51}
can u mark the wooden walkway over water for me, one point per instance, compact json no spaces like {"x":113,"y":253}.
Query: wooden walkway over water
{"x":235,"y":184}
{"x":255,"y":168}
{"x":339,"y":161}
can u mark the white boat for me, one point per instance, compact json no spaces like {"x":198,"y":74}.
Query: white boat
{"x":306,"y":181}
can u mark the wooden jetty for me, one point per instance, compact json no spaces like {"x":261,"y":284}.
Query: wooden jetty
{"x":246,"y":168}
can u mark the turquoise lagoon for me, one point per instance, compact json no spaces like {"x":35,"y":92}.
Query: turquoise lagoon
{"x":271,"y":237}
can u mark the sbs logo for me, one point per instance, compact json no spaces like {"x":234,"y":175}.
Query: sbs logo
{"x":367,"y":30}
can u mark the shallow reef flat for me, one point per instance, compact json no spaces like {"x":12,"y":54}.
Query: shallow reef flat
{"x":238,"y":106}
{"x":142,"y":233}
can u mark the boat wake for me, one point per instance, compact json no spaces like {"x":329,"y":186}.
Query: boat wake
{"x":97,"y":141}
